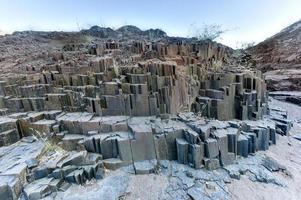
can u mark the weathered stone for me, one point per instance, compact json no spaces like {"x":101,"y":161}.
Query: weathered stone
{"x":272,"y":135}
{"x":41,"y":172}
{"x":171,"y":137}
{"x":198,"y":153}
{"x":252,"y":140}
{"x":226,"y":158}
{"x":10,"y":187}
{"x":272,"y":165}
{"x":114,"y":163}
{"x":211,"y":164}
{"x":211,"y":148}
{"x":232,"y":140}
{"x":76,"y":176}
{"x":77,"y":158}
{"x":39,"y":189}
{"x":31,"y":163}
{"x":145,"y":167}
{"x":89,"y":106}
{"x":161,"y":147}
{"x":143,"y":147}
{"x":182,"y":150}
{"x":242,"y":146}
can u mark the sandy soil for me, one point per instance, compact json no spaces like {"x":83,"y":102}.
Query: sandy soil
{"x":288,"y":153}
{"x":141,"y":186}
{"x":293,"y":111}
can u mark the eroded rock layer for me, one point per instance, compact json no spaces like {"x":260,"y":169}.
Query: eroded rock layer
{"x":109,"y":103}
{"x":76,"y":147}
{"x":139,"y":79}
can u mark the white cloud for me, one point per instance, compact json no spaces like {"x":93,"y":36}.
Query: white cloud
{"x":2,"y":32}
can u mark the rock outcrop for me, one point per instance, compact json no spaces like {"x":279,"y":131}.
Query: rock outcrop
{"x":79,"y":105}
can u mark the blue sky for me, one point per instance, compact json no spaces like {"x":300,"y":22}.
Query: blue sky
{"x":247,"y":20}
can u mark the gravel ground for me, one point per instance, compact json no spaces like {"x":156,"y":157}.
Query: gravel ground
{"x":288,"y":153}
{"x":293,"y":111}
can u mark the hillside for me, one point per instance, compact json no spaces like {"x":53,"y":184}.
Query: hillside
{"x":282,"y":48}
{"x":280,"y":58}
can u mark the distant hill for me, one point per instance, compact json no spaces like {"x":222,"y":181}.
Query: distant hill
{"x":128,"y":31}
{"x":282,"y":48}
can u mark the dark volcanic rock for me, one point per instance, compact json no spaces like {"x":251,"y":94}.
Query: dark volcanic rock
{"x":128,"y":31}
{"x":101,"y":32}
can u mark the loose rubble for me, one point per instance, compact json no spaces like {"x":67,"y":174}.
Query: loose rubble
{"x":144,"y":142}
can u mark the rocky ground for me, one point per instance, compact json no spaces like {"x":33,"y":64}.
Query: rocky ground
{"x":272,"y":174}
{"x":286,"y":152}
{"x":293,"y":97}
{"x":284,"y":78}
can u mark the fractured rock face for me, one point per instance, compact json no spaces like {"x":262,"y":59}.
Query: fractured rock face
{"x":120,"y":80}
{"x":138,"y":141}
{"x":124,"y":100}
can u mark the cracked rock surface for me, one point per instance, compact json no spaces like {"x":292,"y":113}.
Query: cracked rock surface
{"x":261,"y":176}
